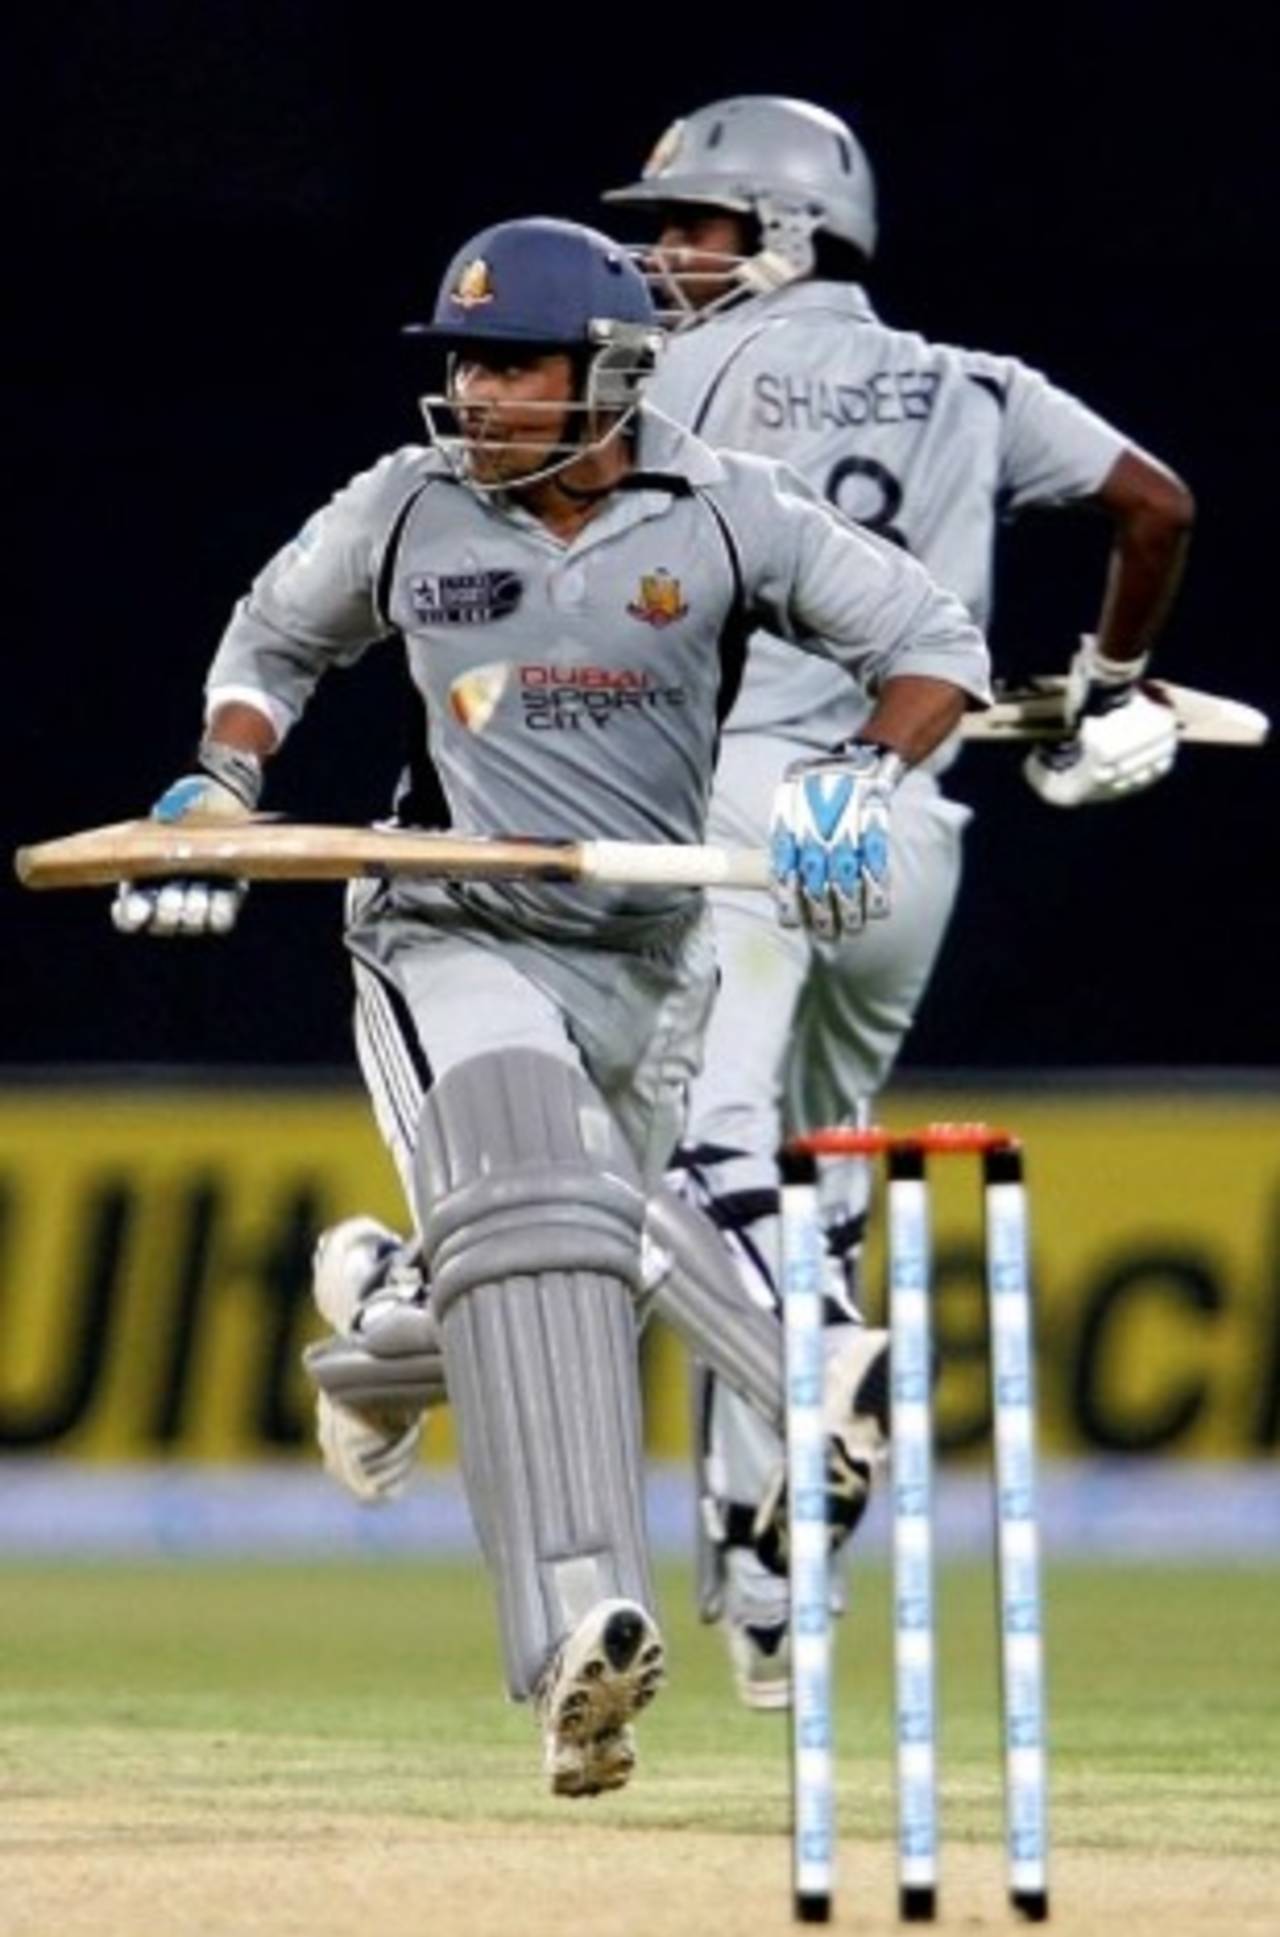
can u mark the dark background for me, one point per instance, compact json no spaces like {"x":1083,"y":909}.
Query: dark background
{"x":218,"y":215}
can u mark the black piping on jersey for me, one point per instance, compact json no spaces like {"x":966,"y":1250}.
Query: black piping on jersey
{"x":991,"y":385}
{"x":419,"y":797}
{"x":391,"y":551}
{"x":704,"y":408}
{"x":736,"y":629}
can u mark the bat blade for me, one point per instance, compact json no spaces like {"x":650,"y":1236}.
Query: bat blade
{"x":1035,"y":712}
{"x":268,"y":849}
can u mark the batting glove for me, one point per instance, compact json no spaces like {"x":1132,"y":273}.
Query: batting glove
{"x":226,"y":788}
{"x":829,"y":840}
{"x":1121,"y":740}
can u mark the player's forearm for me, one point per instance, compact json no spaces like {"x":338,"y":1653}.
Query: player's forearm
{"x":914,"y":714}
{"x":1152,"y":513}
{"x":1146,"y":568}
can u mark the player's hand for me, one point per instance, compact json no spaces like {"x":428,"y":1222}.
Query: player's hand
{"x":1121,"y":739}
{"x":829,"y":839}
{"x":226,"y":789}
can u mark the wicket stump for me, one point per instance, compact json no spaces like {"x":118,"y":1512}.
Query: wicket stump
{"x":1019,"y":1604}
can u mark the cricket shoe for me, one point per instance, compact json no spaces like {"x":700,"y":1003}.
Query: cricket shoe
{"x":363,"y":1273}
{"x":608,"y":1669}
{"x":857,"y":1413}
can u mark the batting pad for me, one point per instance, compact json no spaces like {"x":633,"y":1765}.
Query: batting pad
{"x":531,"y":1212}
{"x":694,"y":1283}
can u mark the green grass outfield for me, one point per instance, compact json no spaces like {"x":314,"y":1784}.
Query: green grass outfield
{"x":228,"y":1702}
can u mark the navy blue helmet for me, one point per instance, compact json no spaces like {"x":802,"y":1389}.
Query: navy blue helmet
{"x":543,"y":285}
{"x":538,"y":281}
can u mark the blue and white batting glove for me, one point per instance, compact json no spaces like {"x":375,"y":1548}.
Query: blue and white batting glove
{"x":1121,"y":740}
{"x":226,"y":788}
{"x":829,"y":840}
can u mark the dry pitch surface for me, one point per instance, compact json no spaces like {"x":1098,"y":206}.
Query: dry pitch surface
{"x":276,"y":1749}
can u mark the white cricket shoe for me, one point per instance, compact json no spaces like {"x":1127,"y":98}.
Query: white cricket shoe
{"x":602,"y":1674}
{"x":360,"y":1265}
{"x":760,"y":1657}
{"x":857,"y":1412}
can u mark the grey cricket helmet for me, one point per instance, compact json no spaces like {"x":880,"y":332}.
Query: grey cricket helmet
{"x":792,"y":165}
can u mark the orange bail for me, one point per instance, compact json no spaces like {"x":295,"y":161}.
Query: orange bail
{"x":934,"y":1139}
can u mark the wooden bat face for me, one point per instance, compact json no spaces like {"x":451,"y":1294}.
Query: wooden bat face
{"x":1034,"y":712}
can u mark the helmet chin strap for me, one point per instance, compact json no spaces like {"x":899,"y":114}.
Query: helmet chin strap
{"x":591,"y":494}
{"x":785,"y":255}
{"x":590,"y":370}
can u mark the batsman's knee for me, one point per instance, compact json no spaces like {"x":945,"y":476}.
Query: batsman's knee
{"x":522,"y":1170}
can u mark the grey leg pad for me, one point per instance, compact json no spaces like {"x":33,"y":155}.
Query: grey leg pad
{"x":695,"y":1286}
{"x":531,"y":1213}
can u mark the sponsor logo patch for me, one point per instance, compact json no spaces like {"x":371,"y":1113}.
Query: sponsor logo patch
{"x":659,"y":601}
{"x":474,"y":696}
{"x":464,"y":598}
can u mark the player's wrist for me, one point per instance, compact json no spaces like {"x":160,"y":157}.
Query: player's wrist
{"x":1100,"y":669}
{"x":872,"y":756}
{"x":234,"y":769}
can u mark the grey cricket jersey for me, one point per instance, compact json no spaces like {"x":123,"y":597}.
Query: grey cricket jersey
{"x":924,"y":443}
{"x":577,"y":690}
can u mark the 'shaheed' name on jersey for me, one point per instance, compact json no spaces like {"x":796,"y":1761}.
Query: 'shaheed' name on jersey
{"x":809,"y":403}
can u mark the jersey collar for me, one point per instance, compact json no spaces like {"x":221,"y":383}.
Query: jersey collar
{"x":848,"y":300}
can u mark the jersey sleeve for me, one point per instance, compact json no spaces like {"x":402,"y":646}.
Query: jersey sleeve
{"x":839,"y":591}
{"x":314,"y":606}
{"x":1053,"y":449}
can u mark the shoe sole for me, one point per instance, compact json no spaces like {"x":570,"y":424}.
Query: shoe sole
{"x":608,"y":1674}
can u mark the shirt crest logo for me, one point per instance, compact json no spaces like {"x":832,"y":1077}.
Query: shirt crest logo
{"x":474,"y":285}
{"x":474,"y":696}
{"x":660,"y":601}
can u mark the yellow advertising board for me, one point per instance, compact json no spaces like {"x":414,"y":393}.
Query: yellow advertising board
{"x":155,"y":1244}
